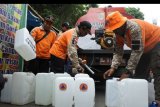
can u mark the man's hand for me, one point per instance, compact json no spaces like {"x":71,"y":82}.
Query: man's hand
{"x":108,"y":73}
{"x":79,"y":69}
{"x":126,"y":74}
{"x":123,"y":76}
{"x":82,"y":61}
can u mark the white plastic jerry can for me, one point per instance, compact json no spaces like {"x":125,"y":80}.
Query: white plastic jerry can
{"x":6,"y":91}
{"x":134,"y":93}
{"x":126,"y":93}
{"x":44,"y":85}
{"x":24,"y":44}
{"x":112,"y":93}
{"x":81,"y":75}
{"x":53,"y":86}
{"x":64,"y":87}
{"x":23,"y":88}
{"x":84,"y":92}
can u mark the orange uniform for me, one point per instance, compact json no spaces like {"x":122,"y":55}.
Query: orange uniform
{"x":65,"y":45}
{"x":149,"y":32}
{"x":43,"y":47}
{"x":59,"y":49}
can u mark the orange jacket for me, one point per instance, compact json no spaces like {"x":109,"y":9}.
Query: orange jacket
{"x":150,"y":35}
{"x":43,"y":47}
{"x":60,"y":46}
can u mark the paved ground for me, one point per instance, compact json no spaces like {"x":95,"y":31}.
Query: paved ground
{"x":99,"y":99}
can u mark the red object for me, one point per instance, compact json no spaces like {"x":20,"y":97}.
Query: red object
{"x":96,"y":16}
{"x":83,"y":87}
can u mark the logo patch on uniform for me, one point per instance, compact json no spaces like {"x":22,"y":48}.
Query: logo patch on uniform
{"x":63,"y":86}
{"x":83,"y":87}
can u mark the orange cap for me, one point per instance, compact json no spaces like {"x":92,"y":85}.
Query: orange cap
{"x":115,"y":20}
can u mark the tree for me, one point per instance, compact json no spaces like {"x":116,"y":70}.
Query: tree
{"x":135,"y":12}
{"x":62,"y":12}
{"x":93,"y":5}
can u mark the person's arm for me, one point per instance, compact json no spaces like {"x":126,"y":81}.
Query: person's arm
{"x":72,"y":53}
{"x":72,"y":50}
{"x":136,"y":46}
{"x":118,"y":53}
{"x":117,"y":57}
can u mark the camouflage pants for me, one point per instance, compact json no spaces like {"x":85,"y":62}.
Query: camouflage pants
{"x":155,"y":67}
{"x":143,"y":67}
{"x":150,"y":61}
{"x":157,"y":87}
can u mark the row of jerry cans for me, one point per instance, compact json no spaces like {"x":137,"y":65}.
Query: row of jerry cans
{"x":81,"y":91}
{"x":128,"y":93}
{"x":60,"y":90}
{"x":22,"y":88}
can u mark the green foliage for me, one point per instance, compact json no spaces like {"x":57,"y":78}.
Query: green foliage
{"x":93,"y":5}
{"x":62,"y":12}
{"x":135,"y":12}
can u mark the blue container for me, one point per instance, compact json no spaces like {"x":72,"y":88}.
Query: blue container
{"x":154,"y":104}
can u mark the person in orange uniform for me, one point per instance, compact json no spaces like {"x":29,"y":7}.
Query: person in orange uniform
{"x":144,"y":40}
{"x":66,"y":46}
{"x":65,"y":26}
{"x":68,"y":64}
{"x":44,"y":38}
